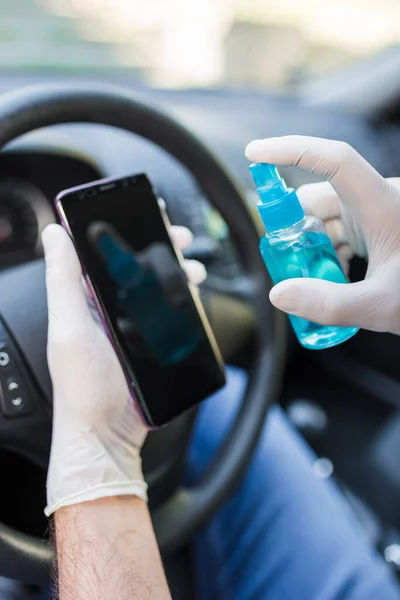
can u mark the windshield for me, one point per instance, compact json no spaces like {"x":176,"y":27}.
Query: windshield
{"x":187,"y":43}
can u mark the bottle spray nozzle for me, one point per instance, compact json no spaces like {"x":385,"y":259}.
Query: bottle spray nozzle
{"x":266,"y":176}
{"x":279,"y":206}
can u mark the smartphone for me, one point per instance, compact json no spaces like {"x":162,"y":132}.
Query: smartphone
{"x":151,"y":312}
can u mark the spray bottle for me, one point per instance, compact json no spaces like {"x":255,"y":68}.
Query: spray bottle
{"x":296,"y":245}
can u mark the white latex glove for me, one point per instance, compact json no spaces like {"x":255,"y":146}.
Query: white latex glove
{"x":97,"y":430}
{"x":361,"y":210}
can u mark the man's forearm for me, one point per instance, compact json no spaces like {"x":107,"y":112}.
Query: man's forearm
{"x":107,"y":549}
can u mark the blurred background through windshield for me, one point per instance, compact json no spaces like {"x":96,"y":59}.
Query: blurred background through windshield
{"x":192,"y":43}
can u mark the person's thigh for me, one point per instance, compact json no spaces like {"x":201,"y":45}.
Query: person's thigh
{"x":13,"y":590}
{"x":285,"y":534}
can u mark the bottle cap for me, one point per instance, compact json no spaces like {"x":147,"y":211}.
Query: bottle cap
{"x":279,"y":206}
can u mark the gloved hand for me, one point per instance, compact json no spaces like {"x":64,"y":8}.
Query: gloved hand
{"x":361,"y":210}
{"x":97,"y":430}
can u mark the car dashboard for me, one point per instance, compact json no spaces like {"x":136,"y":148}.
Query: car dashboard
{"x":37,"y":166}
{"x":28,"y":183}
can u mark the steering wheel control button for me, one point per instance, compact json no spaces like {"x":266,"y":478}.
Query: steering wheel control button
{"x":13,"y":399}
{"x":4,"y":358}
{"x":12,"y":385}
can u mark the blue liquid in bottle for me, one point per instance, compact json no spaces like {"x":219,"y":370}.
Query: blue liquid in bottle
{"x":296,"y":245}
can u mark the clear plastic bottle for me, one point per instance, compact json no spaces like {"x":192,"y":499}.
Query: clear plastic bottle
{"x":297,"y":245}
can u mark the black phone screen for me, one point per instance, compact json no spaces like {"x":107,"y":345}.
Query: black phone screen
{"x":158,"y":327}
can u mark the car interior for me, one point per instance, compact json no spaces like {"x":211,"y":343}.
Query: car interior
{"x":60,"y":131}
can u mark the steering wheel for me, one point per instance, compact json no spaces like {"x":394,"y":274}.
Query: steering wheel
{"x":23,"y":321}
